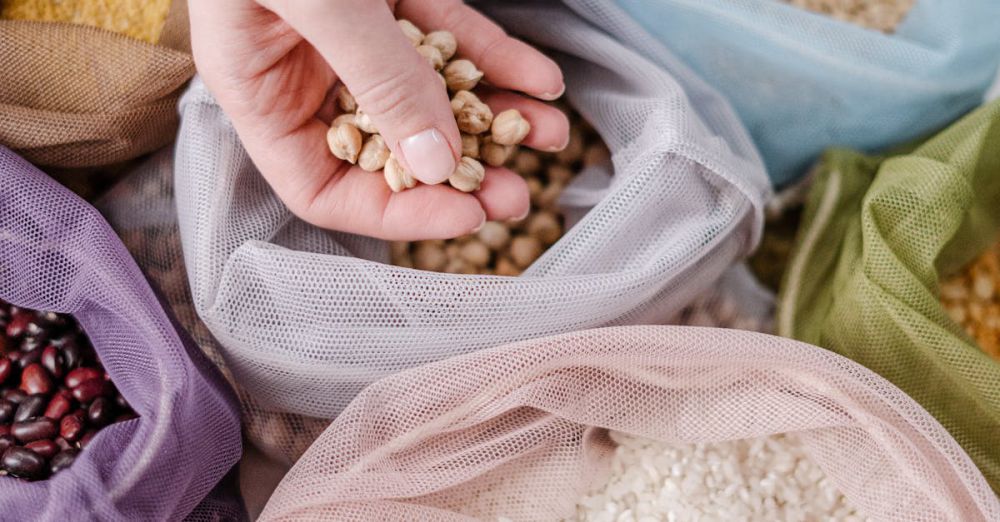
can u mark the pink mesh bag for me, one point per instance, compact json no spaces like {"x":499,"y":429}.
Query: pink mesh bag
{"x":520,"y":431}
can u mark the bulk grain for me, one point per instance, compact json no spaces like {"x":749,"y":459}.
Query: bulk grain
{"x":881,"y":15}
{"x":769,"y":478}
{"x":54,"y":393}
{"x":972,"y":299}
{"x":507,"y":249}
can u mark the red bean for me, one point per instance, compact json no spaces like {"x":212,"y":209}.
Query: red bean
{"x":27,"y":431}
{"x":45,"y":447}
{"x":87,"y":391}
{"x":80,"y":375}
{"x":63,"y":460}
{"x":100,"y":412}
{"x":71,"y":426}
{"x":59,"y":406}
{"x":7,"y":410}
{"x":52,"y":361}
{"x":32,"y":407}
{"x":35,"y":379}
{"x":24,"y":463}
{"x":6,"y":368}
{"x":6,"y":441}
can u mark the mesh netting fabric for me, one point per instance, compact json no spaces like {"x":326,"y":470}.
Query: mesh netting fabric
{"x":307,"y":318}
{"x":519,"y":431}
{"x":76,"y":96}
{"x":863,"y":281}
{"x":803,"y":82}
{"x":142,"y":211}
{"x":57,"y":253}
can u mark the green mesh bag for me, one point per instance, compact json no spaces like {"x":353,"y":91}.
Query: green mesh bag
{"x":877,"y":235}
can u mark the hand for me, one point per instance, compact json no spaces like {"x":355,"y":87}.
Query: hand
{"x":274,"y":67}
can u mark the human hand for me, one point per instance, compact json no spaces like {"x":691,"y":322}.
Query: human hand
{"x":274,"y":66}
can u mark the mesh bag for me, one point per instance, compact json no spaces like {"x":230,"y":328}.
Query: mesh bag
{"x":142,"y":210}
{"x":519,"y":431}
{"x":76,"y":96}
{"x":307,"y":318}
{"x":802,"y":82}
{"x":876,"y":235}
{"x":57,"y":253}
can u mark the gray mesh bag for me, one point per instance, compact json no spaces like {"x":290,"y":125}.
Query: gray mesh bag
{"x":306,"y":318}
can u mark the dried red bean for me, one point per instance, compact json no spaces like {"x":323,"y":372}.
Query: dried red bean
{"x":14,"y":357}
{"x":87,"y":437}
{"x":52,"y":361}
{"x":28,"y":358}
{"x":88,"y":390}
{"x":4,"y":429}
{"x":6,"y":441}
{"x":19,"y":323}
{"x":121,"y":402}
{"x":36,"y":429}
{"x":81,"y":375}
{"x":7,"y":410}
{"x":63,"y":460}
{"x":45,"y":447}
{"x":6,"y":368}
{"x":32,"y":407}
{"x":127,"y":416}
{"x":59,"y":406}
{"x":100,"y":412}
{"x":14,"y":395}
{"x":72,"y":356}
{"x":63,"y":444}
{"x":24,"y":463}
{"x":35,"y":379}
{"x":71,"y":426}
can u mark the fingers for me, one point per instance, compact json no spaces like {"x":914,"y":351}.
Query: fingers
{"x":508,"y":63}
{"x":391,"y":82}
{"x":504,"y":195}
{"x":549,"y":125}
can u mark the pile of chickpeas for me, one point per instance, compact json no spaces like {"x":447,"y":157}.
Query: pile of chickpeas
{"x":508,"y":248}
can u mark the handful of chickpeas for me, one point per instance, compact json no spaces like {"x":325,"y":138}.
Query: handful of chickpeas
{"x":508,"y":248}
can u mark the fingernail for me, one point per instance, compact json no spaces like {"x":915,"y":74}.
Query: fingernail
{"x":481,"y":223}
{"x":428,"y":156}
{"x":523,"y":216}
{"x":558,"y":148}
{"x":553,"y":96}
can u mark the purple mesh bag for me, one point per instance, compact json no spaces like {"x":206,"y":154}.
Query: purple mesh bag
{"x":57,"y":253}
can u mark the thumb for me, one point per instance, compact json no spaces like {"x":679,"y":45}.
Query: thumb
{"x":391,"y":82}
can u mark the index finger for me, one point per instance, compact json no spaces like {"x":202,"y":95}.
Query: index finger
{"x":507,"y":62}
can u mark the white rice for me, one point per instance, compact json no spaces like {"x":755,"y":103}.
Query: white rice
{"x":756,"y":479}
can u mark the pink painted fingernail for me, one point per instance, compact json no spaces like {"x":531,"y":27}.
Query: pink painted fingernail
{"x":428,"y":156}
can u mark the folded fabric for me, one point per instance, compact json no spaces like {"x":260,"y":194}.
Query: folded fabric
{"x":58,"y":254}
{"x":803,"y":82}
{"x":76,"y":96}
{"x":877,"y":235}
{"x":519,"y":432}
{"x":307,"y":318}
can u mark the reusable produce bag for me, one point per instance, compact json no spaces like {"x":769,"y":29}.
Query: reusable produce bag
{"x":520,"y":431}
{"x":76,"y":96}
{"x":307,"y":318}
{"x":877,"y":234}
{"x":802,"y":82}
{"x":57,"y":253}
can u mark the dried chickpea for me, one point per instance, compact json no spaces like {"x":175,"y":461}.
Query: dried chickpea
{"x":524,"y":250}
{"x":545,"y":226}
{"x":494,"y":235}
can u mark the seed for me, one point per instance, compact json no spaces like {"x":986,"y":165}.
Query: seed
{"x":27,"y":431}
{"x":396,"y":176}
{"x":472,"y":115}
{"x":100,"y":412}
{"x":79,"y":375}
{"x":558,"y":174}
{"x":494,"y":235}
{"x":524,"y":250}
{"x":509,"y":127}
{"x":462,"y":75}
{"x":28,"y":358}
{"x":24,"y":463}
{"x":32,"y":407}
{"x":46,"y":448}
{"x":432,"y":55}
{"x":345,"y":100}
{"x":62,"y":460}
{"x":470,"y":146}
{"x":574,"y":150}
{"x":6,"y":441}
{"x":72,"y":357}
{"x":7,"y":410}
{"x":468,"y":175}
{"x":444,"y":41}
{"x":495,"y":154}
{"x":476,"y":254}
{"x":412,"y":32}
{"x":35,"y":379}
{"x":59,"y":406}
{"x":345,"y":142}
{"x":545,"y":226}
{"x":596,"y":154}
{"x":429,"y":256}
{"x":71,"y":426}
{"x":52,"y":361}
{"x":982,"y":286}
{"x":13,"y":395}
{"x":506,"y":267}
{"x":527,"y":163}
{"x":550,"y":195}
{"x":88,"y":390}
{"x":342,"y":119}
{"x":19,"y":324}
{"x":87,"y":437}
{"x":535,"y":189}
{"x":373,"y":154}
{"x":6,"y":368}
{"x":459,"y":266}
{"x":364,"y":122}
